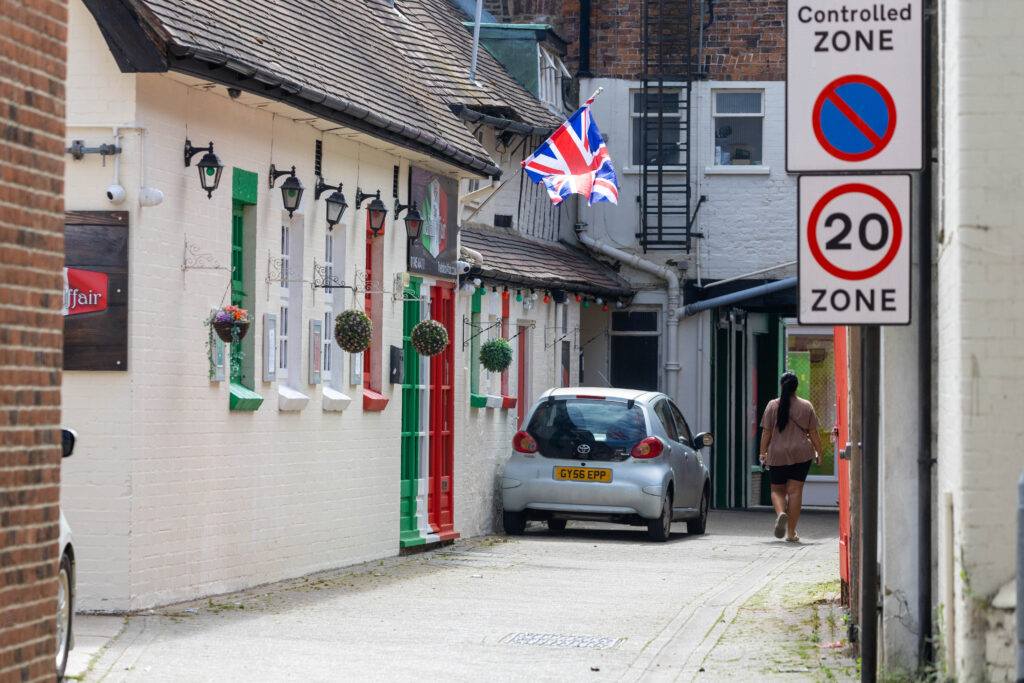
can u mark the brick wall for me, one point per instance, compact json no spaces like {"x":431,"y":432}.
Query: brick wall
{"x":32,"y":58}
{"x":745,"y":40}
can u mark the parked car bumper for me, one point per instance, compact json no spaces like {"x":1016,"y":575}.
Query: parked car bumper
{"x":636,"y":488}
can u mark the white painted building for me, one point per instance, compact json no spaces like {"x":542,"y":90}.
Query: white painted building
{"x":191,"y":479}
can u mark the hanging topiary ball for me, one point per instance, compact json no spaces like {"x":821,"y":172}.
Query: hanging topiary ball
{"x":429,"y":337}
{"x":496,"y":354}
{"x":353,"y":330}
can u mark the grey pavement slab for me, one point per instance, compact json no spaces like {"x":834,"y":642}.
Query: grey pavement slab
{"x":596,"y":602}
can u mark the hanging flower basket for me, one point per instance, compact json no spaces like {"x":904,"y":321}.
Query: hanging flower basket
{"x":429,"y":337}
{"x":353,"y":330}
{"x":231,"y":323}
{"x":496,"y":354}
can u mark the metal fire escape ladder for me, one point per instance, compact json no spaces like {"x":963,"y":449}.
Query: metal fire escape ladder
{"x":664,"y":119}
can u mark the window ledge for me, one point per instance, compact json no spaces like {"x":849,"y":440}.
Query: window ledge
{"x":334,"y":400}
{"x":493,"y":401}
{"x":477,"y":401}
{"x":667,"y":170}
{"x":290,"y":400}
{"x":244,"y":398}
{"x":737,"y":170}
{"x":508,"y":402}
{"x":374,"y":401}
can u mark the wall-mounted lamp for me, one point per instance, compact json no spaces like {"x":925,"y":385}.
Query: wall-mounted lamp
{"x":291,"y":188}
{"x":336,"y":203}
{"x":378,"y":212}
{"x":413,"y":219}
{"x":209,"y":166}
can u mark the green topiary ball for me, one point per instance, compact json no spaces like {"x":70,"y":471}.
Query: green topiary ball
{"x":353,"y":330}
{"x":429,"y":337}
{"x":496,"y":354}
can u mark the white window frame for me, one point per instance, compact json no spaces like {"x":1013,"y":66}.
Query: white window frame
{"x":284,"y":318}
{"x":327,"y":360}
{"x":635,"y":115}
{"x":714,"y":127}
{"x":289,"y":323}
{"x":550,"y":72}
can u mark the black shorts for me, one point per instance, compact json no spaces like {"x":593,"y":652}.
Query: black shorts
{"x":780,"y":474}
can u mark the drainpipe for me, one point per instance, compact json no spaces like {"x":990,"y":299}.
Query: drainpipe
{"x":675,"y":299}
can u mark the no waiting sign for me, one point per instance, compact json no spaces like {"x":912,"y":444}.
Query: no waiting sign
{"x":853,"y":86}
{"x":854,"y":250}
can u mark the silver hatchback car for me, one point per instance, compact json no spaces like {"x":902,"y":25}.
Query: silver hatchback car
{"x":617,"y":455}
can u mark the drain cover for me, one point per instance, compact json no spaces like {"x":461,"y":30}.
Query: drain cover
{"x":561,"y":640}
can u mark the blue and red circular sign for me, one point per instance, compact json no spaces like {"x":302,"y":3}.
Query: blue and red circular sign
{"x":854,"y":118}
{"x":894,"y":221}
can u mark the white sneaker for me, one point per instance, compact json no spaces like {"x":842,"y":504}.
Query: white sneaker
{"x":780,"y":525}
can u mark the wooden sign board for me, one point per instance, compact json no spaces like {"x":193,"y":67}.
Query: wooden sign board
{"x":95,"y":304}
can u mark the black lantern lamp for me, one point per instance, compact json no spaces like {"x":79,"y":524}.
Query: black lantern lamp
{"x":291,"y":188}
{"x":336,"y":203}
{"x":209,"y":166}
{"x":378,"y":212}
{"x":413,"y":219}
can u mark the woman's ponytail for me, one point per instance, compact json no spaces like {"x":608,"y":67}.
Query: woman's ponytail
{"x":788,"y":382}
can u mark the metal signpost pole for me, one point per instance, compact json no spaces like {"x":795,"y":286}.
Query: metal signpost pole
{"x":870,"y":367}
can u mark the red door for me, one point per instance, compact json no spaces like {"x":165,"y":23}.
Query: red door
{"x":521,"y":379}
{"x":440,"y":499}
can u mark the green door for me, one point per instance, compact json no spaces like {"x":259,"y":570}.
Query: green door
{"x":409,"y":534}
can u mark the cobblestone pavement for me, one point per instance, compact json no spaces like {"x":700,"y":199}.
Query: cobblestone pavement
{"x":595,"y":602}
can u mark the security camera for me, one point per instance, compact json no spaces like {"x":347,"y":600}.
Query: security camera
{"x":115,"y":194}
{"x":462,"y":267}
{"x":150,"y":196}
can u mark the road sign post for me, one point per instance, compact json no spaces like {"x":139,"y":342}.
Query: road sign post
{"x":854,"y":250}
{"x":853,"y":86}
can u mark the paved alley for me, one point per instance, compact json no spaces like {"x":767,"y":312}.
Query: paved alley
{"x":596,"y":602}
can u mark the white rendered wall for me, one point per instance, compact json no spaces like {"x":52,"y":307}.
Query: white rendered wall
{"x":213,"y":499}
{"x":980,"y":319}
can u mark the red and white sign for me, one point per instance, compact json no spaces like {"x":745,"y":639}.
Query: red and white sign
{"x":854,"y":250}
{"x":85,"y":291}
{"x":854,"y":90}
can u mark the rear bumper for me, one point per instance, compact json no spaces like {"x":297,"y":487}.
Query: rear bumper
{"x":635,"y":489}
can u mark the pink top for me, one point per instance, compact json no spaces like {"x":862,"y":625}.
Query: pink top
{"x":792,"y":444}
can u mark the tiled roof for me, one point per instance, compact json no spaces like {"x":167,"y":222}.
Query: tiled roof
{"x":392,"y":71}
{"x":512,"y":258}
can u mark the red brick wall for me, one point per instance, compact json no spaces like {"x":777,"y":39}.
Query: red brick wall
{"x":33,"y":35}
{"x":745,"y":41}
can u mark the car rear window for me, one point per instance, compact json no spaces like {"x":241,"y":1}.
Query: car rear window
{"x":587,"y":429}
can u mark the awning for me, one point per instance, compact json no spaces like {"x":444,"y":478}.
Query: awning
{"x":742,"y":295}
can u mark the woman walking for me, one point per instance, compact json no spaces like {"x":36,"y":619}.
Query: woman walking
{"x":789,"y":442}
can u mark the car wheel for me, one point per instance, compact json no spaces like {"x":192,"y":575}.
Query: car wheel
{"x":660,"y":529}
{"x":696,"y":527}
{"x":65,"y":613}
{"x":515,"y":523}
{"x":556,"y":524}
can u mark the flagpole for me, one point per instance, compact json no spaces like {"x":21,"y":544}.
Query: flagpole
{"x":491,"y":195}
{"x":596,"y":93}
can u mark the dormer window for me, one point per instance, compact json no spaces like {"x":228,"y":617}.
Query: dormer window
{"x":552,"y":73}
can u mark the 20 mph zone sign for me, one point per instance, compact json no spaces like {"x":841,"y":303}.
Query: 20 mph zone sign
{"x":853,"y":86}
{"x":854,"y":251}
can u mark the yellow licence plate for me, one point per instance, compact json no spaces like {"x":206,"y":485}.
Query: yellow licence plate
{"x":583,"y":474}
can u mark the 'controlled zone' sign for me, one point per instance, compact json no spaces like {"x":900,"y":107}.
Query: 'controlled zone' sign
{"x":853,"y":86}
{"x":854,"y":250}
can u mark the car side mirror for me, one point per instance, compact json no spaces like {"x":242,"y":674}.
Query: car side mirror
{"x":67,"y":441}
{"x":703,"y":439}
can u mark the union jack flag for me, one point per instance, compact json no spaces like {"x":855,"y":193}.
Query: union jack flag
{"x":574,"y":160}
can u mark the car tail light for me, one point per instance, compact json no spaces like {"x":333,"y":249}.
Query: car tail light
{"x":651,"y":447}
{"x":587,"y":396}
{"x":524,"y":443}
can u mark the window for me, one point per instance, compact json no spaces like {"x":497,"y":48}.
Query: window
{"x":737,"y":118}
{"x":684,"y":429}
{"x":664,"y":414}
{"x":329,"y":342}
{"x":634,"y":350}
{"x":552,"y":71}
{"x":647,"y":150}
{"x":289,"y":324}
{"x":282,"y":332}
